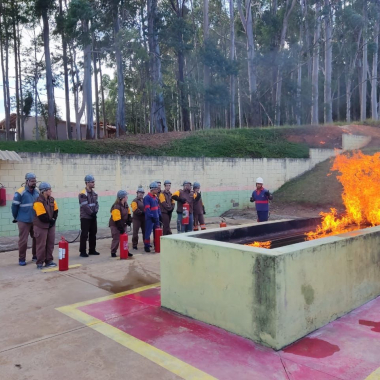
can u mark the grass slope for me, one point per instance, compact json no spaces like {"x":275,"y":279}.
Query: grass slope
{"x":317,"y":187}
{"x":241,"y":143}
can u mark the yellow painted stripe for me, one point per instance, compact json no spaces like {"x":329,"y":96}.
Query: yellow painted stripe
{"x":161,"y":358}
{"x":54,"y":269}
{"x":110,"y":297}
{"x":375,"y":375}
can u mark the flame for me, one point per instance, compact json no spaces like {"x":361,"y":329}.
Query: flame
{"x":360,"y":177}
{"x":261,"y":244}
{"x":322,"y":142}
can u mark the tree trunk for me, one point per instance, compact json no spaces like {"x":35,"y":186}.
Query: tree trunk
{"x":348,"y":99}
{"x":240,"y":107}
{"x":97,"y":113}
{"x":51,"y":131}
{"x":315,"y":94}
{"x":232,"y":59}
{"x":120,"y":115}
{"x":66,"y":78}
{"x":182,"y":90}
{"x":328,"y":65}
{"x":206,"y":69}
{"x":363,"y":103}
{"x":17,"y":83}
{"x":22,"y":118}
{"x":374,"y":80}
{"x":103,"y":105}
{"x":35,"y":84}
{"x":279,"y":72}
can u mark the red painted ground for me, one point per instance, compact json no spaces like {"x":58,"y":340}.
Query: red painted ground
{"x":348,"y":348}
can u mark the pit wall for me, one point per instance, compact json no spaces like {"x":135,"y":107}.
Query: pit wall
{"x":350,"y":142}
{"x":273,"y":297}
{"x":225,"y":183}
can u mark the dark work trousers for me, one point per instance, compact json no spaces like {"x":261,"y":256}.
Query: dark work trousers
{"x":199,"y":219}
{"x":262,"y":216}
{"x":89,"y":228}
{"x":166,"y":223}
{"x":45,"y":244}
{"x":25,"y":229}
{"x":137,"y":224}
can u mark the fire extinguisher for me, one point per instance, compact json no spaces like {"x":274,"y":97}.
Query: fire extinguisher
{"x":186,"y":214}
{"x":63,"y":254}
{"x":157,"y":239}
{"x":124,"y":247}
{"x":223,"y":223}
{"x":3,"y":195}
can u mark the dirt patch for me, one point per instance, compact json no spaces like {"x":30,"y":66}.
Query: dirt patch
{"x":155,"y":140}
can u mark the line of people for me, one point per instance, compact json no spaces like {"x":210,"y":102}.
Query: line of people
{"x":36,"y":214}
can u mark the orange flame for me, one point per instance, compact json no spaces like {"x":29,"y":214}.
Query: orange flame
{"x":322,"y":142}
{"x":360,"y":177}
{"x":261,"y":244}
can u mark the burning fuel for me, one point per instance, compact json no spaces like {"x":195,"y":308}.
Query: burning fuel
{"x":261,"y":244}
{"x":360,"y":177}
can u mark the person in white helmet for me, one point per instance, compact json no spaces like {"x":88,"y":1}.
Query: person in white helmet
{"x":261,"y":198}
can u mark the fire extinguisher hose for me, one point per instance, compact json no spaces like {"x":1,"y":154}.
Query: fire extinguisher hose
{"x":75,"y":238}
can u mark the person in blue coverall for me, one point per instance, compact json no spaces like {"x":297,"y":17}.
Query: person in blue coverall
{"x":261,"y":197}
{"x":152,"y":214}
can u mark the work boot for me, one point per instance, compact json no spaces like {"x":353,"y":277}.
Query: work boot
{"x":34,"y":258}
{"x":39,"y":266}
{"x":83,"y":254}
{"x":50,"y":264}
{"x":130,"y":254}
{"x":94,"y":253}
{"x":113,"y":254}
{"x":135,"y":247}
{"x":195,"y":229}
{"x":147,"y":248}
{"x":21,"y":263}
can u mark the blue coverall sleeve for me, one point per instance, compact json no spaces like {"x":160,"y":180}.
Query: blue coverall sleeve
{"x":148,"y":212}
{"x":16,"y":204}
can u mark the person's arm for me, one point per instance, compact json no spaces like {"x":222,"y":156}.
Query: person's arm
{"x":148,"y":211}
{"x":269,"y":195}
{"x":16,"y":204}
{"x":176,"y":196}
{"x":129,"y":219}
{"x":116,"y":217}
{"x":252,"y":199}
{"x":164,"y":204}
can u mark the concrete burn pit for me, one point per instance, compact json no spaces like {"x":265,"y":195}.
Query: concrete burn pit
{"x":271,"y":296}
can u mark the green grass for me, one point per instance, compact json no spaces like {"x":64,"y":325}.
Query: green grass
{"x":313,"y":188}
{"x":241,"y":143}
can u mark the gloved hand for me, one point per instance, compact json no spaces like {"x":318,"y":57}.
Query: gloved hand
{"x":251,"y":199}
{"x":267,"y":193}
{"x":93,"y":215}
{"x":182,"y":200}
{"x":129,"y":223}
{"x":51,"y":223}
{"x":204,"y":211}
{"x":14,"y":221}
{"x":121,"y":231}
{"x":160,"y":218}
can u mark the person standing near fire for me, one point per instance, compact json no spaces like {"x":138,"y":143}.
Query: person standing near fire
{"x":199,"y":208}
{"x":120,"y":218}
{"x":167,"y":207}
{"x":89,"y":208}
{"x":152,"y":214}
{"x":22,"y":212}
{"x":138,"y":218}
{"x":46,"y":214}
{"x":186,"y":195}
{"x":261,"y":197}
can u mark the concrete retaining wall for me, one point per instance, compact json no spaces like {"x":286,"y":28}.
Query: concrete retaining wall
{"x":273,"y":297}
{"x":350,"y":142}
{"x":226,"y":183}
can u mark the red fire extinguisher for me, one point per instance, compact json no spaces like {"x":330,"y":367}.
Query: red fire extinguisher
{"x":157,"y":239}
{"x":223,"y":223}
{"x":63,"y":254}
{"x":186,"y":214}
{"x":3,"y":195}
{"x":124,"y":247}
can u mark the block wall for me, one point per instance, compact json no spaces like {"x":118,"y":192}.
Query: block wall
{"x":225,"y":183}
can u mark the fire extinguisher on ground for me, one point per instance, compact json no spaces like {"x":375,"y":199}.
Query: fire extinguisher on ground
{"x":63,"y":254}
{"x":158,"y":232}
{"x":223,"y":223}
{"x":124,"y":246}
{"x":3,"y":195}
{"x":186,"y":214}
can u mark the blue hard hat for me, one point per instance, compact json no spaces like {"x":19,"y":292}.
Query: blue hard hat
{"x":89,"y":178}
{"x":153,"y":185}
{"x":158,"y":182}
{"x":121,"y":194}
{"x":196,"y":185}
{"x":140,"y":190}
{"x":167,"y":182}
{"x":186,"y":183}
{"x":30,"y":176}
{"x":44,"y":186}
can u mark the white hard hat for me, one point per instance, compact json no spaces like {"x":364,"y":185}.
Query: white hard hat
{"x":259,"y":180}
